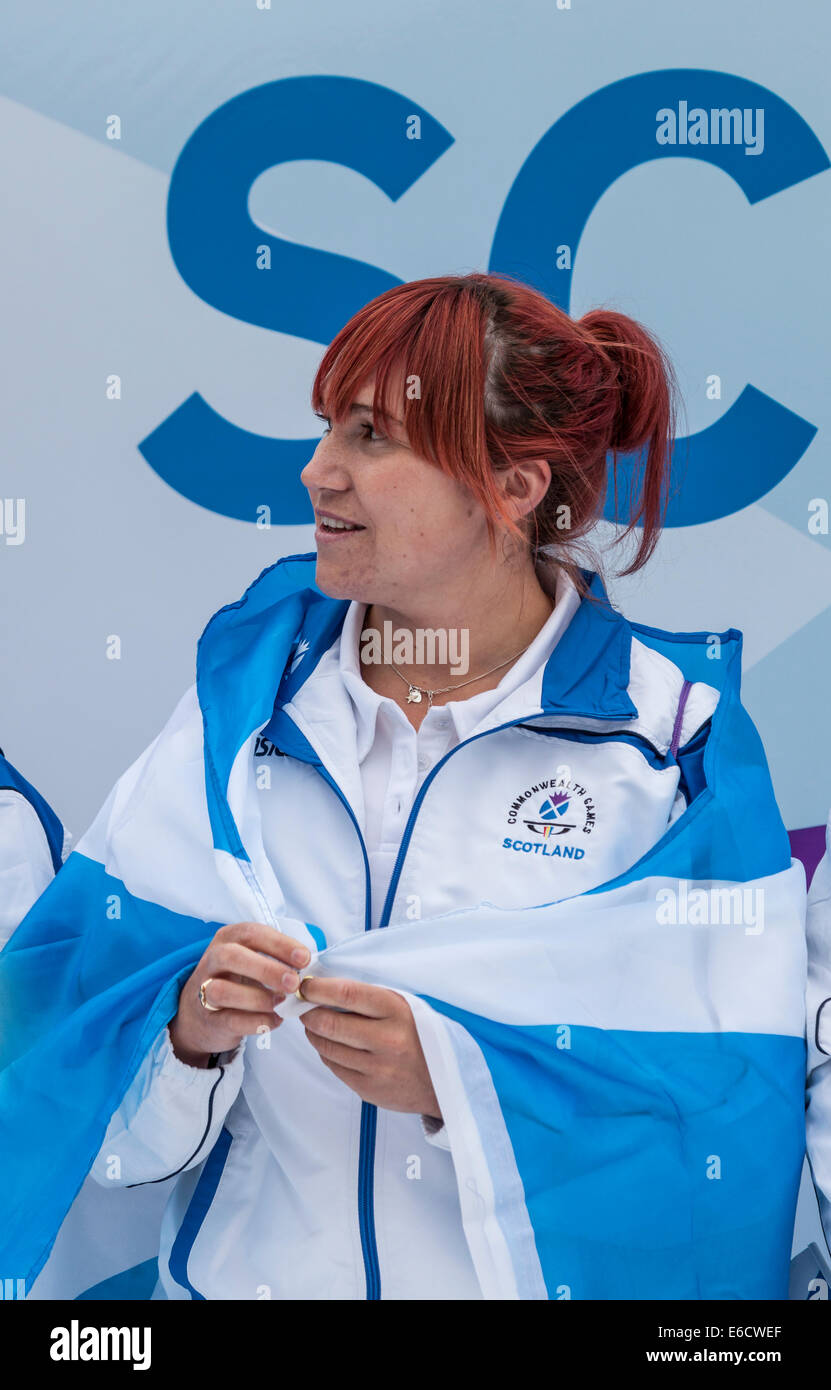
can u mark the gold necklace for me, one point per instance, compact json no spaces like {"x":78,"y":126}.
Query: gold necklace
{"x":416,"y":692}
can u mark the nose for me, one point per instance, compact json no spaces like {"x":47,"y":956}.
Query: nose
{"x":326,"y":468}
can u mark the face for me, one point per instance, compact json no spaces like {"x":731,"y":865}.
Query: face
{"x":391,"y":528}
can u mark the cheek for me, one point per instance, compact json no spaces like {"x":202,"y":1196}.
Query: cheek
{"x":418,"y":514}
{"x":397,"y":516}
{"x":448,"y":532}
{"x":417,"y":510}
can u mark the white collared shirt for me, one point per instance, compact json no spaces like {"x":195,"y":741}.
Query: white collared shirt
{"x":394,"y":758}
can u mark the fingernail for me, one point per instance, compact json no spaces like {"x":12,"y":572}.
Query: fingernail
{"x":300,"y":956}
{"x":290,"y":981}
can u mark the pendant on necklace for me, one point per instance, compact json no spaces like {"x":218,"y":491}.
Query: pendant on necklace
{"x":414,"y":696}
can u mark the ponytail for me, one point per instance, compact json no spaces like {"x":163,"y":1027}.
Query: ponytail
{"x":643,"y":423}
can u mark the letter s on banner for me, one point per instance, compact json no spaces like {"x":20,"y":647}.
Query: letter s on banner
{"x":339,"y":120}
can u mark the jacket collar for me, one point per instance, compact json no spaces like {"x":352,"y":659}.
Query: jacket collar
{"x":269,"y":640}
{"x":587,"y":675}
{"x":255,"y":654}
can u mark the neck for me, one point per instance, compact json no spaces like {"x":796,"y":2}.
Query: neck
{"x":447,"y":639}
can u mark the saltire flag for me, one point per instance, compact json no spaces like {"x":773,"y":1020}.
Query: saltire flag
{"x":621,"y":1073}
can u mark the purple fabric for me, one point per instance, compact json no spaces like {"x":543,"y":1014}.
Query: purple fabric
{"x":809,"y":846}
{"x":679,"y":717}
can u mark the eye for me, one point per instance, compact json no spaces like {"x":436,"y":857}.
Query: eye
{"x":372,"y":437}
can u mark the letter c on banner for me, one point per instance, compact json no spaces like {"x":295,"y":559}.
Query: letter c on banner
{"x":757,"y":441}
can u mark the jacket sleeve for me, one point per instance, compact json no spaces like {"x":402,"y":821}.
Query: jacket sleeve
{"x":32,"y":845}
{"x":170,"y":1117}
{"x":25,"y":866}
{"x":818,"y":1036}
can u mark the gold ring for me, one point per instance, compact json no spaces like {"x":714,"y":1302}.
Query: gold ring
{"x":299,"y":991}
{"x":212,"y":1008}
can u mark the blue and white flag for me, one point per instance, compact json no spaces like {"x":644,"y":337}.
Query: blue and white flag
{"x":621,"y":1073}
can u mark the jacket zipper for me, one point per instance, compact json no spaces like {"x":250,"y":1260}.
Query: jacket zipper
{"x":367,"y":1157}
{"x":369,"y":1113}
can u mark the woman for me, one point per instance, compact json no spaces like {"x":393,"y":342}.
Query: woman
{"x":440,"y":816}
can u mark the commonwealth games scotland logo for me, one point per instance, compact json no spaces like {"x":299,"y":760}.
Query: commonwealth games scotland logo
{"x":559,"y":806}
{"x":551,"y":814}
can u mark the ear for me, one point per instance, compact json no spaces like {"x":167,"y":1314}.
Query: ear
{"x":525,"y":485}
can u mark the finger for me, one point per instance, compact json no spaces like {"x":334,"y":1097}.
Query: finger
{"x":357,"y":998}
{"x":234,"y":958}
{"x":355,"y":1031}
{"x":355,"y":1080}
{"x":229,"y":994}
{"x":259,"y":937}
{"x":350,"y":1057}
{"x":240,"y":1023}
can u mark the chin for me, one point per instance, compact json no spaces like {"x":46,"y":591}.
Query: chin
{"x":333,"y":580}
{"x":338,"y":581}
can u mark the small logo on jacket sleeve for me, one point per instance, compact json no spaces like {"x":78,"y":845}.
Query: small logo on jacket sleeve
{"x":299,"y":650}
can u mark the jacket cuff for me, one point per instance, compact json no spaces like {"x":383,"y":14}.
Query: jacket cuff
{"x":164,"y":1062}
{"x":168,"y":1119}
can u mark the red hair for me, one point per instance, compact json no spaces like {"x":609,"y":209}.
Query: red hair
{"x":496,"y":373}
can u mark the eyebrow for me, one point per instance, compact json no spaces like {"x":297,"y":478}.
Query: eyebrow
{"x":367,"y":409}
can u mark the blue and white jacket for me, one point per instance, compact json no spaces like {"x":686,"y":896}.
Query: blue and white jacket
{"x":32,"y":846}
{"x":609,"y":988}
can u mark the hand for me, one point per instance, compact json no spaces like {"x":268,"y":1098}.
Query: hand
{"x":251,"y":967}
{"x":373,"y":1048}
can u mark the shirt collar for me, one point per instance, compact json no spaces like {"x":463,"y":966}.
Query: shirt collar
{"x":365,"y":701}
{"x":466,"y":714}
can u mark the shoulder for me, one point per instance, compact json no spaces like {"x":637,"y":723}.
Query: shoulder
{"x":18,"y":796}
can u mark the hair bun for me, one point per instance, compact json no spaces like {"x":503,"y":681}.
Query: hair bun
{"x":642,"y":373}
